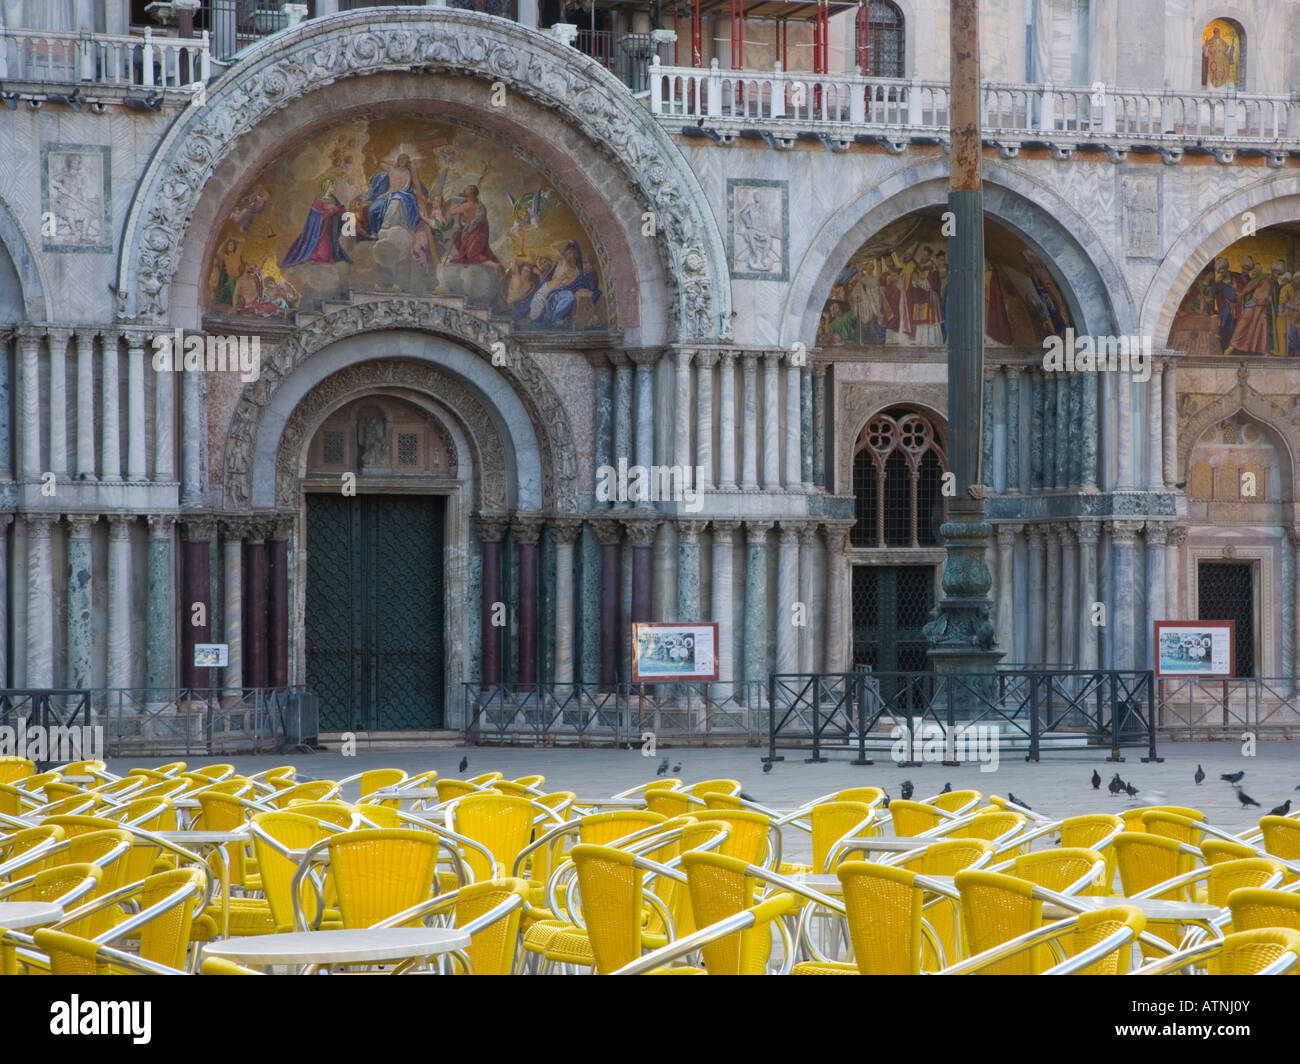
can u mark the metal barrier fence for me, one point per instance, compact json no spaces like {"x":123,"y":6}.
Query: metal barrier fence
{"x":149,"y":721}
{"x":624,"y":713}
{"x":842,"y":710}
{"x":1211,"y":706}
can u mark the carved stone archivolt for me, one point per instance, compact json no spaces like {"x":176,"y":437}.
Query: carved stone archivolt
{"x":486,"y":445}
{"x":549,"y":419}
{"x":1198,"y":413}
{"x":435,"y":40}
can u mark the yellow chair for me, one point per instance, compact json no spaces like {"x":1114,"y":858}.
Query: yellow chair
{"x":377,"y":873}
{"x":13,"y":769}
{"x":15,"y":802}
{"x":957,"y":802}
{"x":944,"y":858}
{"x":1146,"y":861}
{"x":1271,"y":951}
{"x":74,"y":805}
{"x":1171,"y":825}
{"x":1254,"y":908}
{"x":338,"y":813}
{"x":279,"y":840}
{"x":489,"y":912}
{"x":1000,"y":828}
{"x":221,"y":966}
{"x":913,"y":818}
{"x":1064,"y":870}
{"x":1093,"y":831}
{"x":721,"y":888}
{"x":832,"y":823}
{"x":672,"y":803}
{"x":66,"y":954}
{"x":611,"y":886}
{"x":883,"y":906}
{"x":217,"y":773}
{"x":1094,"y":943}
{"x":753,"y":923}
{"x":501,"y":822}
{"x":29,"y":849}
{"x":996,"y":908}
{"x":750,"y":835}
{"x":1217,"y":851}
{"x":449,"y":789}
{"x":315,"y":791}
{"x":705,"y":787}
{"x":1133,"y":817}
{"x":1281,"y":837}
{"x":380,"y":778}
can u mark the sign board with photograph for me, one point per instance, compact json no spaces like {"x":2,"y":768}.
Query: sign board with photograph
{"x":1195,"y":648}
{"x":211,"y":655}
{"x":665,"y":653}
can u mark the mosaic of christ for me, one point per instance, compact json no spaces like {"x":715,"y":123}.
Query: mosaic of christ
{"x":403,"y":204}
{"x":894,"y":291}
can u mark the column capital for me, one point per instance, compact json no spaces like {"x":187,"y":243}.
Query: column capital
{"x":59,"y":333}
{"x":565,"y":530}
{"x":609,"y":530}
{"x":837,"y":535}
{"x":1006,"y":534}
{"x":282,"y":526}
{"x":1124,"y":533}
{"x":527,"y":527}
{"x":707,"y":358}
{"x":119,"y":527}
{"x":617,"y":358}
{"x":647,"y":356}
{"x":597,"y":358}
{"x":1157,"y":533}
{"x":773,"y":356}
{"x":1035,"y":533}
{"x":29,"y":337}
{"x":1088,"y":533}
{"x":641,"y":530}
{"x":86,"y":334}
{"x":136,"y":338}
{"x":234,"y":527}
{"x":1177,"y":535}
{"x":258,"y":529}
{"x":1012,"y":372}
{"x":807,"y":532}
{"x":689,"y":531}
{"x":161,"y":525}
{"x":723,"y":528}
{"x":789,"y":531}
{"x":40,"y":525}
{"x":79,"y":525}
{"x":198,"y":526}
{"x":6,"y":519}
{"x":683,"y":356}
{"x":819,"y":367}
{"x":727,"y":356}
{"x":756,"y":532}
{"x":491,"y":527}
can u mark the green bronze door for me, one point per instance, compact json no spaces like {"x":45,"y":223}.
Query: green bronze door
{"x":374,"y":610}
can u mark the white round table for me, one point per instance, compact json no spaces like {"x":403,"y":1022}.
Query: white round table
{"x":16,"y":915}
{"x":368,"y":946}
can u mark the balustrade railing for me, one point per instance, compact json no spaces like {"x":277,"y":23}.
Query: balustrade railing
{"x":99,"y":59}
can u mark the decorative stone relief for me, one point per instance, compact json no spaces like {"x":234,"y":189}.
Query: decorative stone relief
{"x":1141,"y":215}
{"x":76,"y":209}
{"x":442,"y":41}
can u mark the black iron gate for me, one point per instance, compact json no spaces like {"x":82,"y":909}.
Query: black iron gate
{"x":891,"y":605}
{"x":1225,"y":591}
{"x":375,"y":610}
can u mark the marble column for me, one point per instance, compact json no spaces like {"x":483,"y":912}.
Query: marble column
{"x":527,"y":528}
{"x":804,"y":633}
{"x":1157,"y":537}
{"x":164,"y":433}
{"x":256,"y":673}
{"x":727,"y":421}
{"x":58,"y":341}
{"x":986,"y":435}
{"x":610,"y":534}
{"x":722,"y":605}
{"x":1037,"y":645}
{"x":1292,"y":591}
{"x":838,"y":650}
{"x":564,"y":531}
{"x":1155,"y":430}
{"x":604,"y":413}
{"x":81,"y":604}
{"x":1077,"y":430}
{"x":1087,"y":654}
{"x":39,"y":638}
{"x":1061,"y":443}
{"x":1038,"y":409}
{"x":641,"y":535}
{"x":232,"y":610}
{"x":1051,"y":429}
{"x":1090,"y":432}
{"x":755,"y":612}
{"x":136,"y":468}
{"x":771,"y":421}
{"x":1011,"y":396}
{"x":1108,"y":461}
{"x":1124,"y":435}
{"x":6,"y":423}
{"x":1120,"y":609}
{"x":28,"y":406}
{"x":688,"y":570}
{"x":1069,"y":595}
{"x":704,"y":363}
{"x":645,"y":405}
{"x":196,"y":591}
{"x":1169,"y":421}
{"x":1006,"y":597}
{"x":789,"y":626}
{"x":805,"y":427}
{"x":277,"y":619}
{"x":1053,"y":575}
{"x":491,"y":530}
{"x":6,"y":519}
{"x":160,"y":648}
{"x":749,"y":423}
{"x":819,"y":423}
{"x":119,"y":650}
{"x":793,"y":426}
{"x":682,"y":409}
{"x":1177,"y":534}
{"x":111,"y":444}
{"x":86,"y":405}
{"x":623,"y":432}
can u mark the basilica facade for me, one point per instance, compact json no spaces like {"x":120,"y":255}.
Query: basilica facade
{"x":415,"y":352}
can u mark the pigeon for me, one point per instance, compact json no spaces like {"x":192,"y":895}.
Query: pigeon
{"x":1096,"y":780}
{"x":1016,"y":801}
{"x":677,"y":768}
{"x":886,"y":800}
{"x":1282,"y":809}
{"x":947,"y":789}
{"x":745,"y":797}
{"x":464,"y":763}
{"x":1245,"y":799}
{"x":1233,"y":777}
{"x":663,"y":768}
{"x":1131,"y":791}
{"x":906,"y":790}
{"x":767,"y":766}
{"x":1116,"y":785}
{"x":1200,"y":775}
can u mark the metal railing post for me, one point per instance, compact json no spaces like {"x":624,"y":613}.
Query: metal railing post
{"x":1035,"y":726}
{"x":1151,"y":719}
{"x":1113,"y":677}
{"x":771,"y":716}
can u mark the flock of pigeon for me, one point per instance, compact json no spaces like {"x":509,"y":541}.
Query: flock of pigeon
{"x":1118,"y":786}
